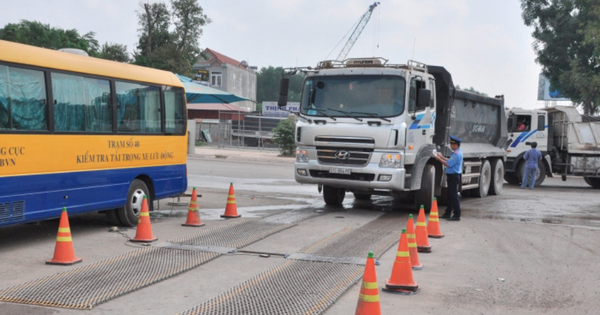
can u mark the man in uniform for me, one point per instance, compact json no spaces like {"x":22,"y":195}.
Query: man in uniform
{"x":453,"y":173}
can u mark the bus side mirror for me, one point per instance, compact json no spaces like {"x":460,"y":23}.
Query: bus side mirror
{"x":424,"y":99}
{"x":283,"y":92}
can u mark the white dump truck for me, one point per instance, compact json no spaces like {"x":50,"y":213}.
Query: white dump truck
{"x":371,"y":128}
{"x":569,"y":142}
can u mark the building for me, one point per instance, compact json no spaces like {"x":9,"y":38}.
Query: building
{"x":227,"y":74}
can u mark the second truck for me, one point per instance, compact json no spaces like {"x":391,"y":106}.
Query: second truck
{"x":371,"y":128}
{"x":569,"y":142}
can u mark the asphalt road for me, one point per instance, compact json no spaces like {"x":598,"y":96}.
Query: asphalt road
{"x":523,"y":252}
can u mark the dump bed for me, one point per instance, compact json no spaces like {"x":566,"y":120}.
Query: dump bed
{"x":572,"y":134}
{"x":479,"y":120}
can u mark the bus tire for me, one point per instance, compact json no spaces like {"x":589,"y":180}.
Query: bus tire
{"x":333,"y":196}
{"x":424,"y":196}
{"x":130,"y":212}
{"x":484,"y":180}
{"x":112,"y":216}
{"x":497,"y":180}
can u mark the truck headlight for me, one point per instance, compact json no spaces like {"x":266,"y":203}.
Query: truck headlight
{"x":391,"y":161}
{"x":301,"y":156}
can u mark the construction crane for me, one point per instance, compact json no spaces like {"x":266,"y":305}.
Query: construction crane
{"x":359,"y":28}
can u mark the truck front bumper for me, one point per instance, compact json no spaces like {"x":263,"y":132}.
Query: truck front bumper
{"x":370,"y":177}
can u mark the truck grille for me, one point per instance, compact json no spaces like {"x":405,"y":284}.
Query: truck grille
{"x":344,"y":156}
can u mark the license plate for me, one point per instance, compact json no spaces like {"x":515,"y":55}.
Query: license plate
{"x":340,"y":170}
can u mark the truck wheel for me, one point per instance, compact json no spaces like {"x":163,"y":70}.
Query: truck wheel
{"x":360,"y":196}
{"x":130,"y":212}
{"x":593,"y":181}
{"x":484,"y":180}
{"x":333,"y":196}
{"x":424,"y":196}
{"x":497,"y":179}
{"x":539,"y":177}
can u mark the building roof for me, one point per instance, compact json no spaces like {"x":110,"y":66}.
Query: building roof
{"x":224,"y":59}
{"x":216,"y":106}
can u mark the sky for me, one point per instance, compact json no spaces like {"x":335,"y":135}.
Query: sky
{"x":483,"y":44}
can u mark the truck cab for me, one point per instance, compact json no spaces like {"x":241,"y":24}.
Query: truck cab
{"x":524,"y":127}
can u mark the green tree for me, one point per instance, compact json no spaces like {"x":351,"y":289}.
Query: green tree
{"x":267,"y":85}
{"x":43,"y":35}
{"x":160,"y":48}
{"x":283,"y":136}
{"x":567,"y":44}
{"x":115,"y":52}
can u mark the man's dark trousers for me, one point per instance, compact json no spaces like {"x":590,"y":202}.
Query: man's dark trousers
{"x":453,"y":203}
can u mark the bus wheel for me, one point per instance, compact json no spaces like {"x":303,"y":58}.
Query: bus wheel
{"x":112,"y":216}
{"x":130,"y":213}
{"x":333,"y":196}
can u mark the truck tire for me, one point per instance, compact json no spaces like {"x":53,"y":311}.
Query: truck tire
{"x":540,"y":176}
{"x":497,"y":180}
{"x":484,"y":180}
{"x":593,"y":181}
{"x":361,"y":196}
{"x":424,"y":196}
{"x":333,"y":196}
{"x":130,"y":212}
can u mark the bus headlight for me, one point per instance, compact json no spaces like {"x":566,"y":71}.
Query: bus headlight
{"x":391,"y":161}
{"x":301,"y":156}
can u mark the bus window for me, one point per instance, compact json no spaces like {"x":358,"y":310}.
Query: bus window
{"x":81,"y":104}
{"x":23,"y":103}
{"x":138,"y":108}
{"x":175,"y":113}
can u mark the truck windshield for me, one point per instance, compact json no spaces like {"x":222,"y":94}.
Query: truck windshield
{"x":353,"y":96}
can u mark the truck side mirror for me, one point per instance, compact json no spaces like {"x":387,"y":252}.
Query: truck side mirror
{"x":283,"y":92}
{"x":424,"y":99}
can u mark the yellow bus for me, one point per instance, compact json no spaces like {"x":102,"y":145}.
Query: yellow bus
{"x":87,"y":134}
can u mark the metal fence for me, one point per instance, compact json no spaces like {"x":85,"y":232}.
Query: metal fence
{"x":238,"y":129}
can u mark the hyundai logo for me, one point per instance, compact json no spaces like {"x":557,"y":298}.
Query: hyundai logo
{"x":342,"y":155}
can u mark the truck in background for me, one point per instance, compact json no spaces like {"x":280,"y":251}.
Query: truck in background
{"x":569,"y":142}
{"x":372,"y":128}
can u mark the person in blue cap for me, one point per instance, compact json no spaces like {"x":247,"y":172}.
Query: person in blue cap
{"x":453,"y":173}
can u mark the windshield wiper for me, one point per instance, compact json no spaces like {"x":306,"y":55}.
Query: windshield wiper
{"x":372,"y":116}
{"x":323,"y":112}
{"x":345,"y":113}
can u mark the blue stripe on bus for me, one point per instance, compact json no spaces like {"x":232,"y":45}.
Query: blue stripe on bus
{"x":43,"y":196}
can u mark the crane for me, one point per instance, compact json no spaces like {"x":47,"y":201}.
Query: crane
{"x":359,"y":28}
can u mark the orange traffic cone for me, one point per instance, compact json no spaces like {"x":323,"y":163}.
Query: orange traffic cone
{"x":231,"y":208}
{"x":193,"y":218}
{"x":143,"y":233}
{"x":412,"y":244}
{"x":421,"y":233}
{"x":401,"y":280}
{"x":368,"y":300}
{"x":433,"y":224}
{"x":64,"y":254}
